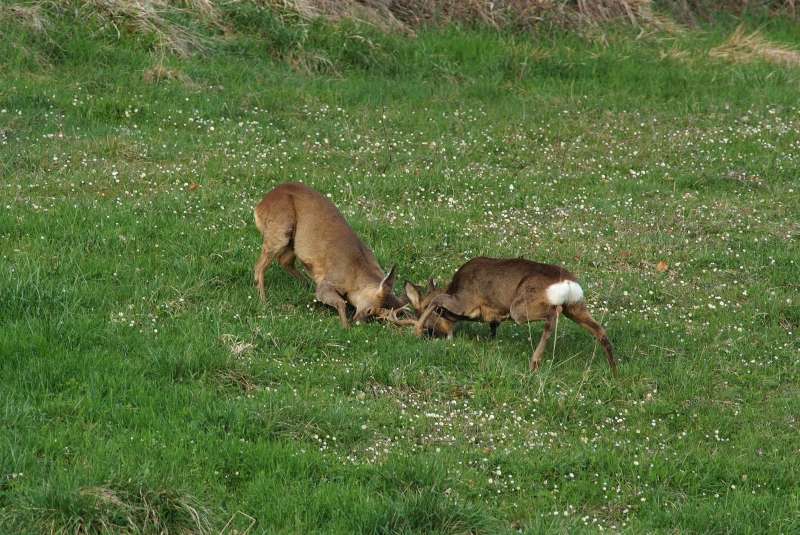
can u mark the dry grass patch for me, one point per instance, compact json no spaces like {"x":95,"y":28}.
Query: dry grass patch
{"x":635,"y":11}
{"x":406,"y":15}
{"x":159,"y":73}
{"x":30,"y":16}
{"x":238,"y":348}
{"x":305,"y":62}
{"x":675,"y":54}
{"x":181,"y":27}
{"x":143,"y":511}
{"x":150,"y":18}
{"x":743,"y":47}
{"x":237,"y":379}
{"x":518,"y":13}
{"x":377,"y":13}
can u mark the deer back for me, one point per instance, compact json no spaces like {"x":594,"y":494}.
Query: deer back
{"x":325,"y":242}
{"x":493,"y":282}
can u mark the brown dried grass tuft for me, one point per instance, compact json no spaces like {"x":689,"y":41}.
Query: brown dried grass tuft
{"x":30,"y":16}
{"x":181,"y":27}
{"x":306,"y":62}
{"x":238,"y":379}
{"x":159,"y":73}
{"x":635,"y":11}
{"x":676,"y":54}
{"x":526,"y":13}
{"x":377,"y":13}
{"x":238,"y":348}
{"x":143,"y":511}
{"x":152,"y":18}
{"x":406,"y":15}
{"x":743,"y":47}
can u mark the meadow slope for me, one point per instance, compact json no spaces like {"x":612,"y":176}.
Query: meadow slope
{"x":145,"y":388}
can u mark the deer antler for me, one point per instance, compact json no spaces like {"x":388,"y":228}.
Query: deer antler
{"x":432,"y":310}
{"x":390,"y":315}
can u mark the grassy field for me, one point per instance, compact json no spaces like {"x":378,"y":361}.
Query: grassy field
{"x":145,"y":388}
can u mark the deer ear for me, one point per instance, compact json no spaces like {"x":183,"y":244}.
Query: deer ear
{"x":388,"y":281}
{"x":431,"y":284}
{"x":412,"y":292}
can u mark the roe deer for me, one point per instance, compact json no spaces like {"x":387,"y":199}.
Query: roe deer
{"x":298,"y":222}
{"x":492,"y":290}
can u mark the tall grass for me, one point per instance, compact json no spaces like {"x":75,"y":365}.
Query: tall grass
{"x":184,"y":27}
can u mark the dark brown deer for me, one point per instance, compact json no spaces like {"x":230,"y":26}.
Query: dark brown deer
{"x":492,"y":290}
{"x":297,"y":222}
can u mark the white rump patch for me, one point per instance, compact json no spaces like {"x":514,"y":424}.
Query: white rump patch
{"x":564,"y":293}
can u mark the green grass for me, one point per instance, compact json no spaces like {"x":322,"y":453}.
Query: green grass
{"x":145,"y":388}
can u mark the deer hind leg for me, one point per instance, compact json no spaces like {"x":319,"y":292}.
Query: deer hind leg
{"x":524,"y":310}
{"x":286,"y":260}
{"x":268,"y":252}
{"x":277,"y":228}
{"x":327,"y":294}
{"x":580,"y":315}
{"x":258,"y":272}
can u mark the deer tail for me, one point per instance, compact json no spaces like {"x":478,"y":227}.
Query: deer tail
{"x":566,"y":292}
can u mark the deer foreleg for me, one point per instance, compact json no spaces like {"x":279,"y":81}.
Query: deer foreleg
{"x":326,"y":293}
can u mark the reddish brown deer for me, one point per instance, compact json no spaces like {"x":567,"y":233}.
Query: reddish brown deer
{"x":299,"y":223}
{"x":492,"y":290}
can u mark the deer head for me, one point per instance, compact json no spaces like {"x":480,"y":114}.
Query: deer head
{"x":369,"y":300}
{"x":440,"y":322}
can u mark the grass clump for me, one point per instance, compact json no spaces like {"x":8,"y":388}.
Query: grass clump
{"x":118,"y":509}
{"x":744,"y":46}
{"x":162,"y":512}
